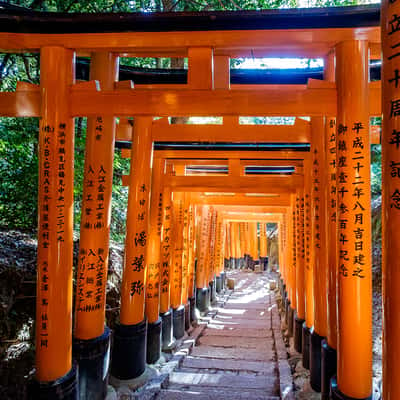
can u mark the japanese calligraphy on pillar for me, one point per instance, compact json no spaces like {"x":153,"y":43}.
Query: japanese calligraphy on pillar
{"x":185,"y":254}
{"x":307,"y":219}
{"x":391,"y":105}
{"x":165,"y":250}
{"x":353,"y":197}
{"x":316,"y":190}
{"x":202,"y":248}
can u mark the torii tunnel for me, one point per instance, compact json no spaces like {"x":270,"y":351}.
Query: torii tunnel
{"x":200,"y":195}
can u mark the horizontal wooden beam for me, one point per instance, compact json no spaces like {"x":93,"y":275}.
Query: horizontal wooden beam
{"x":239,"y":199}
{"x":306,"y":42}
{"x":297,"y":133}
{"x":275,"y":100}
{"x":250,"y":210}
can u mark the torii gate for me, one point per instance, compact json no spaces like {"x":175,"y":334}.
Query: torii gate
{"x":339,"y":109}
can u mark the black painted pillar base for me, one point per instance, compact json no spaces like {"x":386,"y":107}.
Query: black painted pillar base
{"x":315,"y":360}
{"x":201,"y":299}
{"x":153,"y":341}
{"x":213,"y":292}
{"x":336,"y":394}
{"x":298,"y":333}
{"x":305,"y":346}
{"x":287,"y":308}
{"x":167,"y":337}
{"x":187,"y":316}
{"x":192,"y":316}
{"x":64,"y":388}
{"x":178,"y":320}
{"x":218,"y":284}
{"x":223,"y":280}
{"x":291,"y":313}
{"x":93,"y":359}
{"x":129,"y":351}
{"x":208,"y":298}
{"x":328,"y":368}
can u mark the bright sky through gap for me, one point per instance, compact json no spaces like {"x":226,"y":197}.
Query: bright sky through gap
{"x":280,"y":63}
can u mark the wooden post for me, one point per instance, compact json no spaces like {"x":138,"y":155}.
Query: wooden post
{"x":167,"y":338}
{"x":263,"y":246}
{"x":152,"y":305}
{"x":391,"y":198}
{"x":91,"y":336}
{"x":55,"y":227}
{"x":354,"y":377}
{"x":319,"y":229}
{"x":308,"y":266}
{"x":129,"y":350}
{"x":178,"y":310}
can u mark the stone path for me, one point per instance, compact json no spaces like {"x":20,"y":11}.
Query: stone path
{"x":237,"y":356}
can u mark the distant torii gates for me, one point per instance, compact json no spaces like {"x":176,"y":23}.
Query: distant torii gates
{"x":331,"y":192}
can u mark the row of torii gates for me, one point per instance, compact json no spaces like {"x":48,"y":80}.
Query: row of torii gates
{"x":178,"y":213}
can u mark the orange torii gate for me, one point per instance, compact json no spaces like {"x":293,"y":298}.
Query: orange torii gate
{"x":339,"y":108}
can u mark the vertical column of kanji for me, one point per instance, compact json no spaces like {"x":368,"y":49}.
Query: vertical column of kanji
{"x":185,"y":260}
{"x":191,"y":263}
{"x":178,"y":310}
{"x":219,"y":280}
{"x":354,"y":377}
{"x":247,"y":242}
{"x":201,"y":281}
{"x":211,"y":259}
{"x":390,"y":20}
{"x":242,"y":242}
{"x":300,"y":279}
{"x":167,"y":338}
{"x":319,"y":232}
{"x":263,"y":246}
{"x":294,"y":265}
{"x":54,"y":372}
{"x":129,"y":350}
{"x":308,"y":265}
{"x":152,"y":305}
{"x":329,"y":345}
{"x":91,"y":336}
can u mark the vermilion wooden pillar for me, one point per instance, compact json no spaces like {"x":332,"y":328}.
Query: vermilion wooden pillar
{"x":308,"y":265}
{"x":300,"y":273}
{"x":129,"y":350}
{"x":354,"y":376}
{"x":319,"y":232}
{"x":201,"y":280}
{"x":391,"y":198}
{"x":54,"y":371}
{"x":152,"y":305}
{"x":293,"y":265}
{"x":167,"y":338}
{"x":191,"y":263}
{"x":178,"y":310}
{"x":91,"y":335}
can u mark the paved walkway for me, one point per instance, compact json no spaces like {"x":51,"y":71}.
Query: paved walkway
{"x":237,"y":356}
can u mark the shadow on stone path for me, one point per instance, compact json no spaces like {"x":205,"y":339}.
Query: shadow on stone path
{"x":236,"y":357}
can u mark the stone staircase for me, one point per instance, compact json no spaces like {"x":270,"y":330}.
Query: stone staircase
{"x":235,"y":358}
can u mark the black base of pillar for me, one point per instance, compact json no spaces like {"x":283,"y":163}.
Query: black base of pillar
{"x":290,"y":321}
{"x":93,"y":359}
{"x":287,"y":308}
{"x":208,"y":298}
{"x":178,"y":318}
{"x":154,"y":341}
{"x":218,"y":284}
{"x":315,"y":360}
{"x":64,"y":388}
{"x":213,"y":292}
{"x":192,"y":302}
{"x":231,"y":263}
{"x":187,"y":316}
{"x":305,"y":346}
{"x":129,"y":351}
{"x":167,"y":337}
{"x":223,"y":281}
{"x":201,"y":299}
{"x":328,"y":368}
{"x":298,"y":333}
{"x":336,"y":394}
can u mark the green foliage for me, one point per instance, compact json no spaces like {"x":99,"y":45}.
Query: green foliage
{"x":18,"y":172}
